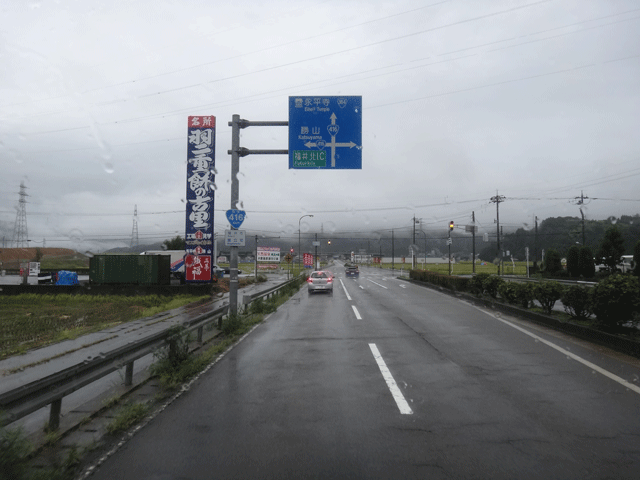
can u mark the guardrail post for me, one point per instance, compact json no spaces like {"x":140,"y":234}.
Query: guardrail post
{"x":200,"y":332}
{"x":128,"y":374}
{"x":54,"y":414}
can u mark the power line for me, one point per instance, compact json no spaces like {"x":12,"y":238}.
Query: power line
{"x":480,"y":17}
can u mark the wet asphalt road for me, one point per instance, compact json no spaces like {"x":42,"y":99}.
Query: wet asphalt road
{"x":306,"y":396}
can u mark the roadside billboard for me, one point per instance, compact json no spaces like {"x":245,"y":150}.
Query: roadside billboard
{"x":308,"y":260}
{"x":269,"y":254}
{"x":201,"y":147}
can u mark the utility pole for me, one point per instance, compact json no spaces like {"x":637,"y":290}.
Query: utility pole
{"x":255,"y":260}
{"x":315,"y":259}
{"x":413,"y":242}
{"x":473,"y":236}
{"x":502,"y":256}
{"x":449,"y":244}
{"x":581,"y":200}
{"x":497,"y":200}
{"x":535,"y":253}
{"x":393,"y":251}
{"x":235,"y":196}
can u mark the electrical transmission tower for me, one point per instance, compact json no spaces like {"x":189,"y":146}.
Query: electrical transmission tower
{"x":20,"y":234}
{"x":134,"y":232}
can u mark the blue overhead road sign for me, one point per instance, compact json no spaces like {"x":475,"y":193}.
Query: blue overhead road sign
{"x":325,"y":132}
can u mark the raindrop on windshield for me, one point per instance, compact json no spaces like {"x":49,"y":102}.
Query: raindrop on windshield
{"x":76,"y":235}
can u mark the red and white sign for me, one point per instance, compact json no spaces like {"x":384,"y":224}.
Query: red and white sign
{"x":267,"y":267}
{"x":198,"y":268}
{"x":268,"y":254}
{"x":308,"y":259}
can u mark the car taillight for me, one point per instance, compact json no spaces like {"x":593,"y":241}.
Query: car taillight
{"x":309,"y":280}
{"x":329,"y":280}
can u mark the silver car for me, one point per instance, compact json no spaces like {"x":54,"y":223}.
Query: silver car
{"x":320,"y":281}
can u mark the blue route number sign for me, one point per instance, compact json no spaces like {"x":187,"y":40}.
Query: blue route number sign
{"x":325,"y":132}
{"x":236,"y":217}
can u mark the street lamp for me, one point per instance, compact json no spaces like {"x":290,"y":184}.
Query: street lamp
{"x":299,"y":245}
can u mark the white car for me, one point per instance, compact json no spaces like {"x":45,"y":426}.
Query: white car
{"x":320,"y":281}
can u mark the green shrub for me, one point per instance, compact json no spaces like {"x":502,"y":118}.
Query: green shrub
{"x":476,"y":283}
{"x":178,"y":343}
{"x":573,"y":261}
{"x":552,"y":262}
{"x":585,"y":263}
{"x":257,"y":306}
{"x":524,"y":294}
{"x":14,"y":453}
{"x":176,"y":353}
{"x":507,"y":291}
{"x":231,"y":324}
{"x":577,"y":301}
{"x":491,"y":285}
{"x":516,"y":293}
{"x":616,"y":300}
{"x":547,"y":293}
{"x":441,"y":280}
{"x":271,"y":305}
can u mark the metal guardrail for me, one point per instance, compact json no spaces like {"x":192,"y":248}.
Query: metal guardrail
{"x":559,"y":280}
{"x":50,"y":390}
{"x":248,"y":299}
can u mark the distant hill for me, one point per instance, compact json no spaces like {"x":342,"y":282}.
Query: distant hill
{"x":11,"y":257}
{"x":136,"y":249}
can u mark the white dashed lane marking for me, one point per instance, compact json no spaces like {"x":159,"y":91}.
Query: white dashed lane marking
{"x":404,"y":407}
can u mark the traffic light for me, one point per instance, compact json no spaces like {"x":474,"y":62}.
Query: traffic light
{"x":451,"y":225}
{"x":291,"y":250}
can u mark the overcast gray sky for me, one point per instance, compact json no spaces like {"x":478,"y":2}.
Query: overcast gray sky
{"x":538,"y":100}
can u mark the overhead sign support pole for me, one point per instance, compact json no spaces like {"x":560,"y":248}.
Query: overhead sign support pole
{"x":309,"y":147}
{"x":236,"y":152}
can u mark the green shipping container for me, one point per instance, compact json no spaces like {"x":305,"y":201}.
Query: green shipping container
{"x":130,"y":269}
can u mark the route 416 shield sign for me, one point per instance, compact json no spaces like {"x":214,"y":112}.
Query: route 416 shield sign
{"x":236,"y":217}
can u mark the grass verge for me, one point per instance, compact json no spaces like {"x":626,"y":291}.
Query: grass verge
{"x":30,"y":321}
{"x":129,"y":415}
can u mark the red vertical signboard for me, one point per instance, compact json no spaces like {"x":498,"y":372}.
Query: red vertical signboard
{"x":308,"y":260}
{"x":197,"y":268}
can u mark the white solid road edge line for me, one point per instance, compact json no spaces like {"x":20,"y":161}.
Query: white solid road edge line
{"x":355,"y":310}
{"x":404,"y":407}
{"x":587,"y":363}
{"x":345,"y":290}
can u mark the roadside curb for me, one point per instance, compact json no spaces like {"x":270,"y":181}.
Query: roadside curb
{"x":615,"y":342}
